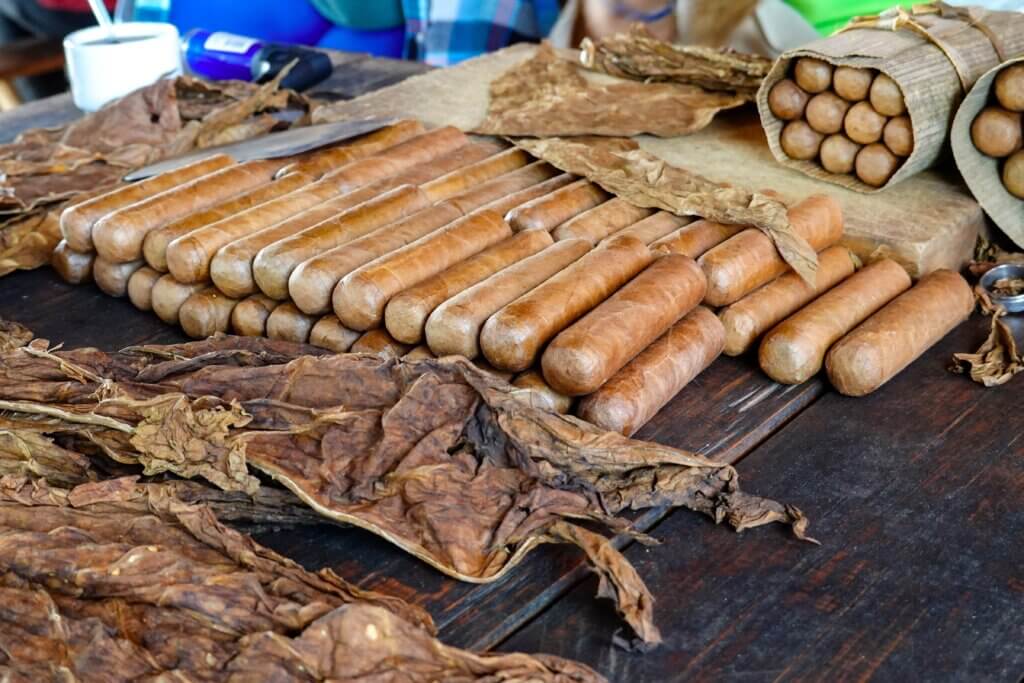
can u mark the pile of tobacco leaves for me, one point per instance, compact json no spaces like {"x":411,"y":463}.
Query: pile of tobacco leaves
{"x":435,"y":456}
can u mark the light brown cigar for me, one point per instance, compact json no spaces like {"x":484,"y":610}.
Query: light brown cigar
{"x":380,"y":343}
{"x":290,"y":324}
{"x":534,"y":391}
{"x":601,"y":221}
{"x":154,"y":248}
{"x":249,"y":318}
{"x":118,"y":236}
{"x":112,"y":278}
{"x":793,"y":351}
{"x":325,"y":160}
{"x":140,"y":288}
{"x":329,"y":333}
{"x":696,"y":238}
{"x":454,"y":327}
{"x":76,"y":221}
{"x":653,"y":228}
{"x":638,"y":391}
{"x":458,"y":181}
{"x":168,"y":295}
{"x":206,"y":313}
{"x":550,"y":211}
{"x":72,"y":266}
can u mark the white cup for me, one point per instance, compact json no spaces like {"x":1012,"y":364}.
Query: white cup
{"x":101,"y":70}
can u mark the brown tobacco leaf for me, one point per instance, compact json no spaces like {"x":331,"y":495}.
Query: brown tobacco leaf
{"x":436,"y":456}
{"x":988,"y":255}
{"x":1008,"y":286}
{"x":997,"y":360}
{"x":27,"y":242}
{"x":117,"y":581}
{"x":639,"y":55}
{"x":547,"y":95}
{"x":13,"y":335}
{"x":622,"y":168}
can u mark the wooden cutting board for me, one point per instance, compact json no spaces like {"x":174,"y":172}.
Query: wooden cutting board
{"x":927,"y":222}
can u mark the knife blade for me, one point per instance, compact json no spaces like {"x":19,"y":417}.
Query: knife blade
{"x":271,"y":146}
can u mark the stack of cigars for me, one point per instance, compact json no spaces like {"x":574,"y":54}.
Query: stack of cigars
{"x":998,"y":130}
{"x":851,"y":120}
{"x":417,"y":243}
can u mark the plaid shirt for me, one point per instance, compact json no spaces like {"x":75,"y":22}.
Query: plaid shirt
{"x":442,"y":32}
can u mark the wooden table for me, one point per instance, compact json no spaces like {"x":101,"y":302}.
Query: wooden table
{"x":915,"y":493}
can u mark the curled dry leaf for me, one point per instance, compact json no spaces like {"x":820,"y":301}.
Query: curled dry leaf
{"x":120,"y":581}
{"x":548,"y":95}
{"x":997,"y":360}
{"x":436,"y":456}
{"x":13,"y":335}
{"x":622,"y":168}
{"x":640,"y":56}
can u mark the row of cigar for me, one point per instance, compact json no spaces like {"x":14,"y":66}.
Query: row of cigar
{"x":998,"y":130}
{"x":850,"y":119}
{"x":437,"y":244}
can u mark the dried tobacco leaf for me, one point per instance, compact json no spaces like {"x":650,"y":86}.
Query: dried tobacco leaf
{"x":622,"y":168}
{"x":13,"y":335}
{"x":1008,"y":286}
{"x":547,"y":95}
{"x":988,"y":255}
{"x":997,"y":360}
{"x":639,"y":55}
{"x":436,"y":456}
{"x":118,"y":581}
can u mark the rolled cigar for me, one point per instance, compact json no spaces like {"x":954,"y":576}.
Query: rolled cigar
{"x":72,"y":266}
{"x":787,"y":101}
{"x":762,"y":309}
{"x":325,"y":160}
{"x":601,"y":221}
{"x":312,"y":282}
{"x":140,"y":287}
{"x":274,"y":263}
{"x":406,"y":313}
{"x":812,"y":75}
{"x":800,"y":141}
{"x":496,"y":189}
{"x":839,"y":154}
{"x":403,"y":156}
{"x":531,"y":388}
{"x":360,"y":298}
{"x":1013,"y":174}
{"x":154,"y":247}
{"x":280,"y":255}
{"x":290,"y":324}
{"x":586,"y":354}
{"x":793,"y":351}
{"x":898,"y":136}
{"x":168,"y":295}
{"x":512,"y":338}
{"x":505,"y":204}
{"x":249,"y":317}
{"x":996,"y":132}
{"x":852,"y":83}
{"x":550,"y":211}
{"x":454,"y":326}
{"x":421,"y":352}
{"x":119,"y":235}
{"x":329,"y":333}
{"x":638,"y":391}
{"x":696,"y":238}
{"x":206,"y":313}
{"x":891,"y":339}
{"x":886,"y":96}
{"x":76,"y":221}
{"x":112,"y":278}
{"x":863,"y":124}
{"x":748,"y":260}
{"x":875,"y":164}
{"x":1009,"y":87}
{"x":653,"y":228}
{"x":380,"y":343}
{"x":458,"y":181}
{"x":825,"y":112}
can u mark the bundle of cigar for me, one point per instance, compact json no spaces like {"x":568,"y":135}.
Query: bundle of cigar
{"x":849,"y":119}
{"x":998,"y":130}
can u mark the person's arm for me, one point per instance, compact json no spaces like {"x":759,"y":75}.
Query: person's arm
{"x":598,"y":18}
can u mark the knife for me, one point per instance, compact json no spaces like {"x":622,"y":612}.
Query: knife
{"x":271,"y":146}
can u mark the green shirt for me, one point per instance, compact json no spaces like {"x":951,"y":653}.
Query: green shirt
{"x":364,"y":15}
{"x":828,"y":15}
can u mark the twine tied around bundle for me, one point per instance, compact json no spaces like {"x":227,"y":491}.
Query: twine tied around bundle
{"x":901,"y":19}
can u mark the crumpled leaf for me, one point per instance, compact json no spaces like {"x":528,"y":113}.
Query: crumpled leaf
{"x":27,"y":242}
{"x":988,"y":255}
{"x":436,"y":456}
{"x":997,"y":360}
{"x":639,"y":55}
{"x":118,"y":581}
{"x":547,"y":95}
{"x":622,"y":168}
{"x":13,"y":335}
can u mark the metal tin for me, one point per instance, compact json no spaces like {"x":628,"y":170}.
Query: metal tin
{"x":1012,"y":304}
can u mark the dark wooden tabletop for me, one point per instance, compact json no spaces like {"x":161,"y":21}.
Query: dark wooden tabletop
{"x":915,"y":493}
